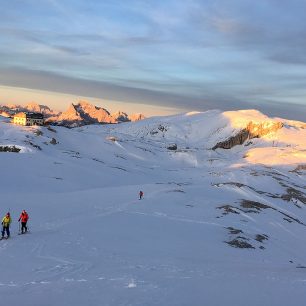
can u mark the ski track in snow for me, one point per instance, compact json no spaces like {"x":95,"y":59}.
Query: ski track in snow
{"x":175,"y":218}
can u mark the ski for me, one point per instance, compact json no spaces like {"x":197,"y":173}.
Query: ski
{"x":24,"y":233}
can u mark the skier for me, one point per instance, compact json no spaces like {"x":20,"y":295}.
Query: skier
{"x":24,"y":217}
{"x":6,"y":221}
{"x":140,"y":195}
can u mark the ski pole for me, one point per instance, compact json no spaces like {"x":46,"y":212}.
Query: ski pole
{"x":19,"y":227}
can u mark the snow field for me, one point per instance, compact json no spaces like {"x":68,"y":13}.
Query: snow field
{"x":92,"y":242}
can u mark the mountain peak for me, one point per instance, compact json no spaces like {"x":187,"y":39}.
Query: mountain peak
{"x":83,"y":113}
{"x":121,"y":117}
{"x":33,"y":106}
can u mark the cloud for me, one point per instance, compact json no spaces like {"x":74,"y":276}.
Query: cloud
{"x":58,"y":83}
{"x":47,"y":81}
{"x":296,"y":57}
{"x":21,"y":34}
{"x":262,"y":26}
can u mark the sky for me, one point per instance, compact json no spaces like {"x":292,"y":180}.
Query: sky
{"x":158,"y":56}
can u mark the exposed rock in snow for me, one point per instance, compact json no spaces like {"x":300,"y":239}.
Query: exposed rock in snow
{"x":53,"y":141}
{"x":252,"y":130}
{"x":9,"y":149}
{"x":111,"y":138}
{"x":172,"y":147}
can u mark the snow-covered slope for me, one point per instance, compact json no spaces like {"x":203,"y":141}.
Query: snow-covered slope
{"x":215,"y":227}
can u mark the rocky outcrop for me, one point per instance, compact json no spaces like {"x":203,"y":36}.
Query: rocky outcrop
{"x":53,"y":141}
{"x":9,"y":149}
{"x":172,"y":147}
{"x":300,"y":168}
{"x":112,"y":138}
{"x":253,"y":130}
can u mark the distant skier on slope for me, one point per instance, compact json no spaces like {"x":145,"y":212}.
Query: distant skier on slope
{"x":140,"y":195}
{"x":24,"y":217}
{"x":6,"y":221}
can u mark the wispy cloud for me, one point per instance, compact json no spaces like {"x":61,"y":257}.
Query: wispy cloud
{"x":211,"y":98}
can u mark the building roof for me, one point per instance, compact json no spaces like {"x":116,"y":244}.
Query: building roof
{"x":20,"y":115}
{"x":30,"y":115}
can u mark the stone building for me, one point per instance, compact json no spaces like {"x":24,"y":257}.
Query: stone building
{"x":28,"y":118}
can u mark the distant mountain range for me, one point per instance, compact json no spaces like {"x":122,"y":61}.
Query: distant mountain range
{"x":8,"y":110}
{"x":82,"y":113}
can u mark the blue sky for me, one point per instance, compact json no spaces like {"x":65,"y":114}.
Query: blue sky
{"x":194,"y":55}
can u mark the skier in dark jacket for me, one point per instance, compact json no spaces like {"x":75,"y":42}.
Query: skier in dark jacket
{"x":24,"y":217}
{"x":140,"y":195}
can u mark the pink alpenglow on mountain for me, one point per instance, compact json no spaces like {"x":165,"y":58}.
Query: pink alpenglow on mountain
{"x":85,"y":113}
{"x":37,"y":108}
{"x":137,"y":117}
{"x":30,"y":107}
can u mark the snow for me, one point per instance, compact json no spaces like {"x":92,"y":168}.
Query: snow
{"x":243,"y":117}
{"x":92,"y":242}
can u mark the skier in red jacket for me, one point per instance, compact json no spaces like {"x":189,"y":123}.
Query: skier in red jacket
{"x":140,"y":194}
{"x":24,"y":217}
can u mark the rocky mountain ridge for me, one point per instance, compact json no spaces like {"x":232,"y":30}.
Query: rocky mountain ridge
{"x":252,"y":130}
{"x":82,"y":113}
{"x":11,"y":109}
